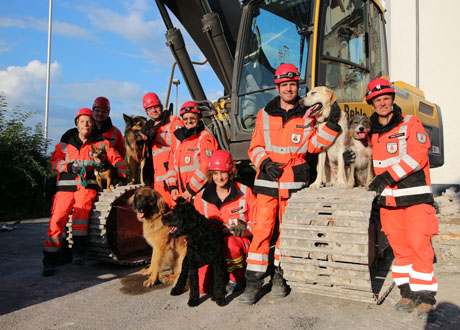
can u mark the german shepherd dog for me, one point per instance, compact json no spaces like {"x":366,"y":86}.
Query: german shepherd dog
{"x":205,"y":246}
{"x":135,"y":146}
{"x":104,"y":172}
{"x":331,"y":166}
{"x":360,"y":171}
{"x":168,"y":251}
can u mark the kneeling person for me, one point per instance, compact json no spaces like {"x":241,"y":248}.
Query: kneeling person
{"x":228,"y":201}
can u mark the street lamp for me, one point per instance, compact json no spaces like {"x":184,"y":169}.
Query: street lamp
{"x":176,"y":82}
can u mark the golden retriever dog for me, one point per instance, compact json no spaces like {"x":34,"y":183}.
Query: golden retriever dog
{"x":360,"y":171}
{"x":168,"y":252}
{"x":135,"y":146}
{"x":331,"y":165}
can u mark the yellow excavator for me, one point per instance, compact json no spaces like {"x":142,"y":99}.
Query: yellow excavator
{"x":331,"y":249}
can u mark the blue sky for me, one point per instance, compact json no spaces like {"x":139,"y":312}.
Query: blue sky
{"x":111,"y":48}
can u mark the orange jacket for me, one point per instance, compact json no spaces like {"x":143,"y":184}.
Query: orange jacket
{"x":400,"y":149}
{"x":237,"y":206}
{"x":189,"y":157}
{"x":71,"y":149}
{"x":161,"y":146}
{"x":285,"y":137}
{"x":114,"y":136}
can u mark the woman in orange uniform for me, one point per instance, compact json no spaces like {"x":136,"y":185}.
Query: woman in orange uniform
{"x":191,"y":148}
{"x":230,"y":202}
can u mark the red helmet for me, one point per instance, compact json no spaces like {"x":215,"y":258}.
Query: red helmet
{"x":220,"y":160}
{"x":286,"y":72}
{"x":83,"y":112}
{"x":189,"y":106}
{"x":101,"y":102}
{"x":151,"y":100}
{"x":377,"y":87}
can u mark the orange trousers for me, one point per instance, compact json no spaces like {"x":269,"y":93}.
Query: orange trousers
{"x":268,"y":209}
{"x":236,"y":251}
{"x":409,"y":231}
{"x":79,"y":203}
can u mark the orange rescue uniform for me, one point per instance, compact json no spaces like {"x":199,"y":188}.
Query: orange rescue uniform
{"x":189,"y":157}
{"x":75,"y":192}
{"x":238,"y":205}
{"x":114,"y":136}
{"x":283,"y":137}
{"x":400,"y":151}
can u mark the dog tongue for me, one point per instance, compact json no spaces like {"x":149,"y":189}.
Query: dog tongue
{"x":361,"y":135}
{"x":172,"y":229}
{"x":311,"y":110}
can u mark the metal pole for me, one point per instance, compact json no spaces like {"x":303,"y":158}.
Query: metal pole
{"x":417,"y":43}
{"x":176,"y":108}
{"x":48,"y":68}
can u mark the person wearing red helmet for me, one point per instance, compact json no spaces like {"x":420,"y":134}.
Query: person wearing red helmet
{"x":192,"y":146}
{"x":400,"y":148}
{"x":283,"y":135}
{"x":158,"y":132}
{"x":104,"y":126}
{"x":76,"y":188}
{"x":232,"y":203}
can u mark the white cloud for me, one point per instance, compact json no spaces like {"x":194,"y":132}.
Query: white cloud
{"x":4,"y":47}
{"x":59,"y":27}
{"x":24,"y":84}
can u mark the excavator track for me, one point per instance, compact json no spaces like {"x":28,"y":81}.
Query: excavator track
{"x":326,"y":246}
{"x":115,"y":235}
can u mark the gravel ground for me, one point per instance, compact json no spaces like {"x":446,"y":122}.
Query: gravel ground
{"x":109,"y":297}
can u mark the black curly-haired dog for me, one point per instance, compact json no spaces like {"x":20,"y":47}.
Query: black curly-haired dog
{"x":205,"y":246}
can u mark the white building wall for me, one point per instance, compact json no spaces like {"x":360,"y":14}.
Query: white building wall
{"x":439,"y":65}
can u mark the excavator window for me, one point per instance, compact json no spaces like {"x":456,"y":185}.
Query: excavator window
{"x":277,"y":35}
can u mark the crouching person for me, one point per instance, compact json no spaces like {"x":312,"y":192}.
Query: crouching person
{"x":76,"y":188}
{"x":228,"y":201}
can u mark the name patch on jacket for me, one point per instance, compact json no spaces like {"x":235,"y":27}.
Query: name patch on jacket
{"x":302,"y":126}
{"x":397,"y":135}
{"x":192,"y":149}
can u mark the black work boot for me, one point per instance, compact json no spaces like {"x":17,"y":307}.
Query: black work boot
{"x":279,"y":286}
{"x":49,"y":263}
{"x":425,"y":303}
{"x":407,"y":302}
{"x":80,"y":244}
{"x":251,"y":292}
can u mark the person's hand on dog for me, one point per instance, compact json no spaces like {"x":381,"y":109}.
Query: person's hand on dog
{"x":334,"y":116}
{"x":349,"y":157}
{"x":239,"y":229}
{"x":273,"y":170}
{"x":187,"y":196}
{"x":74,"y":167}
{"x":380,"y":182}
{"x":174,"y":194}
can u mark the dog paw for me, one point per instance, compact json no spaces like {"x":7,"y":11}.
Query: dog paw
{"x":145,"y":271}
{"x":149,"y":282}
{"x":316,"y":185}
{"x":168,"y":279}
{"x":193,"y":302}
{"x":177,"y":291}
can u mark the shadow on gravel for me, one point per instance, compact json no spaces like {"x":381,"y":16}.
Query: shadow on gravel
{"x":445,"y":316}
{"x":21,"y":283}
{"x":133,"y":285}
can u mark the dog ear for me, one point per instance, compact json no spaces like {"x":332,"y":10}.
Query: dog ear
{"x":128,"y":120}
{"x":130,"y":200}
{"x":333,"y":97}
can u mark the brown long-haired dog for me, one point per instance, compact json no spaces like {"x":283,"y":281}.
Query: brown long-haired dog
{"x":168,"y":252}
{"x":135,"y":146}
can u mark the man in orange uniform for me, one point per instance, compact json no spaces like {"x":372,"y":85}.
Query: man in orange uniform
{"x":191,"y":148}
{"x":283,"y":135}
{"x":400,"y":148}
{"x":104,"y":126}
{"x":76,"y":188}
{"x":158,"y":130}
{"x":231,"y":203}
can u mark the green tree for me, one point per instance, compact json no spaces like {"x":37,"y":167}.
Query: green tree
{"x":24,"y":166}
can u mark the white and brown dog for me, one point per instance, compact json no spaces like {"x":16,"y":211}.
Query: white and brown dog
{"x":359,"y":171}
{"x":331,"y":165}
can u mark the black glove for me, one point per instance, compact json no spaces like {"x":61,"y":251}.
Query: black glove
{"x":239,"y":229}
{"x":380,"y":182}
{"x":272,"y":169}
{"x":334,"y":116}
{"x":349,"y":157}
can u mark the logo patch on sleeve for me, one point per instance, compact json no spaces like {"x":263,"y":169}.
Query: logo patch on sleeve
{"x":187,"y":160}
{"x":295,"y":138}
{"x":208,"y":152}
{"x":421,"y":137}
{"x":392,"y":147}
